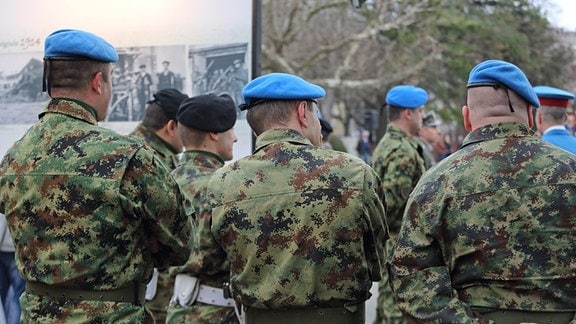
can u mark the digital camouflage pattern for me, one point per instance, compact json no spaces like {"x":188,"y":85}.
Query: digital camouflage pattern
{"x":201,"y":313}
{"x":88,"y":209}
{"x":163,"y":149}
{"x":168,"y":156}
{"x":302,"y":226}
{"x":398,"y":162}
{"x":491,"y":227}
{"x":207,"y":261}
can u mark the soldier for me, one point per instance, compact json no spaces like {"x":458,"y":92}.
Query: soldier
{"x":91,"y":212}
{"x":551,"y":116}
{"x":205,"y":124}
{"x":398,"y":160}
{"x":303,"y":227}
{"x":326,"y":130}
{"x":158,"y":127}
{"x":158,"y":131}
{"x":488,"y":234}
{"x":427,"y":137}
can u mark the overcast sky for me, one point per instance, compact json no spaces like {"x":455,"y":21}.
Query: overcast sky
{"x":563,"y":14}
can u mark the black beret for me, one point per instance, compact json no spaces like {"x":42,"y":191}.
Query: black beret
{"x":209,"y":113}
{"x":169,"y":100}
{"x":430,"y":121}
{"x":326,"y":127}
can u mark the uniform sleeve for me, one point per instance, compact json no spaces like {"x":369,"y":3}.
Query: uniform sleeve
{"x":398,"y":172}
{"x":208,"y":257}
{"x":377,"y":235}
{"x":420,"y":278}
{"x":397,"y":182}
{"x":152,"y":194}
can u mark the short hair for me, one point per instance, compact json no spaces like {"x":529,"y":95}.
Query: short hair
{"x":191,"y":136}
{"x":75,"y":74}
{"x":394,"y":113}
{"x":554,"y":115}
{"x":154,"y":117}
{"x":261,"y":117}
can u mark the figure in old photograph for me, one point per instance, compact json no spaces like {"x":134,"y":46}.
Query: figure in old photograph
{"x":166,"y":78}
{"x":143,"y":89}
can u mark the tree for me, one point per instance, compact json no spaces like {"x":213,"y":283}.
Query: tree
{"x":358,"y":55}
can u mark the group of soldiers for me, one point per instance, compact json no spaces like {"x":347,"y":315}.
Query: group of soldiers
{"x":111,"y":228}
{"x":484,"y":235}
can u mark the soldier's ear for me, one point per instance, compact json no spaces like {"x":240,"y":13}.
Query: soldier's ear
{"x":172,"y":127}
{"x":301,"y":112}
{"x":530,"y":116}
{"x":96,"y":82}
{"x":466,"y":116}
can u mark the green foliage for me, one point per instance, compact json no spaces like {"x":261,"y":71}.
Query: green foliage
{"x":361,"y":54}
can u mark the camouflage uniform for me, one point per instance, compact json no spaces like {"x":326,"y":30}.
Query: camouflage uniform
{"x":88,"y":209}
{"x":302,"y":226}
{"x":491,"y":227}
{"x":207,"y":262}
{"x":165,"y":151}
{"x":168,"y":156}
{"x":398,"y":162}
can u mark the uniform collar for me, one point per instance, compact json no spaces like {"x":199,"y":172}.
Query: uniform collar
{"x":73,"y":108}
{"x":555,"y":128}
{"x":496,"y":131}
{"x":280,"y":135}
{"x":202,"y":158}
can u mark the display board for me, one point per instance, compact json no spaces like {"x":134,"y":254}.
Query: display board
{"x":194,"y":46}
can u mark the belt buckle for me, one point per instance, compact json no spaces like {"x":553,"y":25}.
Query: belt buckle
{"x":226,"y":290}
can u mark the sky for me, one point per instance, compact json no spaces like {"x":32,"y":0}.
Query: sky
{"x":563,"y":14}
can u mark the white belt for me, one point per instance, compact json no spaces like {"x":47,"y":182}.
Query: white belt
{"x":188,"y":290}
{"x":214,"y":296}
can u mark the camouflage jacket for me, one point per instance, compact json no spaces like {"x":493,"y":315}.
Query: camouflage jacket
{"x":399,"y":163}
{"x":207,"y":260}
{"x":302,"y":226}
{"x":88,"y":209}
{"x":492,"y":226}
{"x":168,"y":156}
{"x":165,"y":151}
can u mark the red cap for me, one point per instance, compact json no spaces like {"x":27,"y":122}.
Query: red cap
{"x":554,"y":102}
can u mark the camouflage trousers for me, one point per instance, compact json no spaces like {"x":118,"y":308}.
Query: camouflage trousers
{"x":201,"y":313}
{"x":159,"y":304}
{"x":386,"y":309}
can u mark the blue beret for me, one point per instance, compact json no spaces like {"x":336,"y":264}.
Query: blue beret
{"x":70,"y":43}
{"x":553,"y":97}
{"x":496,"y":72}
{"x":279,"y":86}
{"x":208,"y":113}
{"x":406,"y":96}
{"x":552,"y":93}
